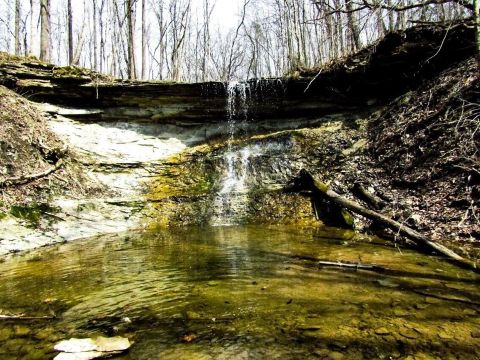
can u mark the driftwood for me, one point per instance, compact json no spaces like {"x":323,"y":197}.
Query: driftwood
{"x":353,"y":266}
{"x":306,"y":180}
{"x":25,"y":179}
{"x":347,"y":265}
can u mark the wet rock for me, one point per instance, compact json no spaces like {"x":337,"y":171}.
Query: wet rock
{"x":21,"y":330}
{"x":424,"y":356}
{"x":87,"y":349}
{"x":469,"y":312}
{"x":5,"y":333}
{"x":444,"y":335}
{"x":421,"y":306}
{"x":76,"y":345}
{"x":112,"y":344}
{"x":88,"y":355}
{"x":327,"y":354}
{"x":431,"y":300}
{"x":192,"y":315}
{"x":310,"y":327}
{"x":321,"y":353}
{"x":475,"y":334}
{"x":400,"y":312}
{"x":382,"y":331}
{"x":408,"y":333}
{"x":335,"y":355}
{"x":45,"y":334}
{"x":387,"y":283}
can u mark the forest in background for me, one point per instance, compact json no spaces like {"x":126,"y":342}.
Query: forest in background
{"x":179,"y":40}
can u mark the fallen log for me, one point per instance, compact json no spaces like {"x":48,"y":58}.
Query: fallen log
{"x":371,"y":199}
{"x":306,"y":181}
{"x":25,"y":179}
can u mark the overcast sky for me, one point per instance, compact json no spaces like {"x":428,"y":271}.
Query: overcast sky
{"x":226,"y":12}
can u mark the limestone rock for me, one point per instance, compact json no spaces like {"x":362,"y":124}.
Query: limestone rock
{"x":75,"y":345}
{"x":382,"y":331}
{"x":88,"y":355}
{"x":87,"y":349}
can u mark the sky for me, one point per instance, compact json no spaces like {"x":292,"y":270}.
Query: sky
{"x":226,"y":12}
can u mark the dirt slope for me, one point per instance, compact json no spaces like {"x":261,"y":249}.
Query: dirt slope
{"x":28,"y":148}
{"x":427,"y":146}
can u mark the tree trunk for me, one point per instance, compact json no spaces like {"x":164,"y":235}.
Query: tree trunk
{"x":70,"y":31}
{"x":305,"y":180}
{"x":476,"y":15}
{"x":131,"y":48}
{"x":101,"y":67}
{"x":95,"y":35}
{"x":32,"y":28}
{"x":144,"y":40}
{"x":45,"y":30}
{"x":353,"y":26}
{"x":391,"y":21}
{"x":18,"y":48}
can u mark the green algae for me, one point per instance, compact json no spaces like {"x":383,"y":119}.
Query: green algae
{"x":241,"y":292}
{"x":186,"y":189}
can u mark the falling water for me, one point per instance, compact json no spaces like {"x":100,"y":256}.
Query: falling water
{"x":247,"y":167}
{"x":231,"y":200}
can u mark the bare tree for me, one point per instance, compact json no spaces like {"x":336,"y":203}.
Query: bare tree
{"x":353,"y":26}
{"x":131,"y":47}
{"x":70,"y":31}
{"x":476,"y":14}
{"x":179,"y":14}
{"x":45,"y":30}
{"x":95,"y":34}
{"x":18,"y":48}
{"x":32,"y":27}
{"x":144,"y":40}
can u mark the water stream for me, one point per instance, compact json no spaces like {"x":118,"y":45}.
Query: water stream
{"x":231,"y":200}
{"x":240,"y":292}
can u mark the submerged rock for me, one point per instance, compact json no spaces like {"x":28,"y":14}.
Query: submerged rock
{"x":382,"y":331}
{"x":88,"y":355}
{"x":86,"y":349}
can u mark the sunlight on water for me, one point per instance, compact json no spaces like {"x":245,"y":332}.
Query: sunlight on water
{"x":240,"y":292}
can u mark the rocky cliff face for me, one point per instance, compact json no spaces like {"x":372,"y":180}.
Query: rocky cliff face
{"x":176,"y":154}
{"x":375,"y":75}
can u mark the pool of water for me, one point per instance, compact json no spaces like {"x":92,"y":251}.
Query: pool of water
{"x":240,"y":292}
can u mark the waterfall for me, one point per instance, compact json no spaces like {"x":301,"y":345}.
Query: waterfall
{"x":231,"y":200}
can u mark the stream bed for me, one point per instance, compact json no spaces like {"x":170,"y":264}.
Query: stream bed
{"x":240,"y":292}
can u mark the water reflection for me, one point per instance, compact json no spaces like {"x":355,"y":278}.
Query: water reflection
{"x":240,"y":292}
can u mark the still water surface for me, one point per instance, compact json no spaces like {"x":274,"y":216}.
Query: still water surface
{"x":241,"y":292}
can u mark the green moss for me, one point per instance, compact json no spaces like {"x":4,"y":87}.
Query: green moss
{"x":35,"y":258}
{"x":347,"y":216}
{"x":2,"y":215}
{"x":6,"y":57}
{"x":31,"y":213}
{"x":322,"y":186}
{"x":69,"y":71}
